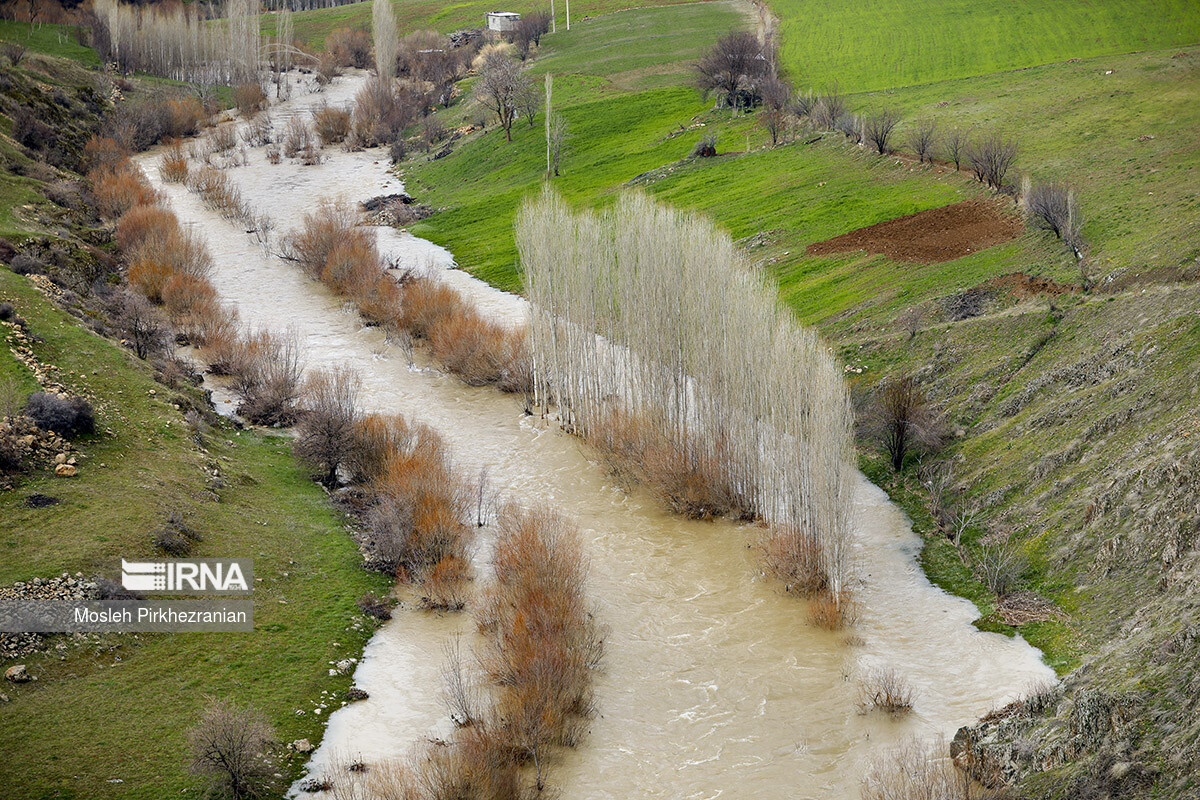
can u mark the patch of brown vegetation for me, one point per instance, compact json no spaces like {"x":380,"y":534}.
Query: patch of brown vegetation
{"x":1023,"y":286}
{"x":1020,"y":608}
{"x":930,"y":237}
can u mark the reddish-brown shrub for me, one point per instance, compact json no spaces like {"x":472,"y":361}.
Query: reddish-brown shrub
{"x":145,"y":223}
{"x":427,"y":303}
{"x":149,"y":276}
{"x":382,"y":303}
{"x":186,"y":115}
{"x":249,"y":99}
{"x":174,"y":164}
{"x":794,"y":557}
{"x":189,"y":301}
{"x":376,"y":437}
{"x":329,"y":226}
{"x":832,"y":613}
{"x":103,"y":152}
{"x":445,"y":588}
{"x":352,"y":267}
{"x":350,"y":48}
{"x":118,"y":189}
{"x":332,"y":124}
{"x":478,"y":351}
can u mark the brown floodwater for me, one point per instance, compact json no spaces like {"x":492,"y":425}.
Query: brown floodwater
{"x":713,"y":684}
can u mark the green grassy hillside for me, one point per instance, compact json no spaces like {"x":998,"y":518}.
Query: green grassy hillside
{"x":881,"y":45}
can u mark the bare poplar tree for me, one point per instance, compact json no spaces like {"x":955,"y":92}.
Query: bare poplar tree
{"x":740,"y":395}
{"x":325,"y":435}
{"x":383,"y":31}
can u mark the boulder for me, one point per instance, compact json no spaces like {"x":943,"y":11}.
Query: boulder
{"x":301,"y":746}
{"x":66,"y":470}
{"x":18,"y":674}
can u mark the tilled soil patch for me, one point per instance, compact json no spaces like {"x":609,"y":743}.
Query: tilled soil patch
{"x":927,"y":237}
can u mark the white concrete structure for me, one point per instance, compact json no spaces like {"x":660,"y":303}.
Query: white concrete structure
{"x":502,"y":21}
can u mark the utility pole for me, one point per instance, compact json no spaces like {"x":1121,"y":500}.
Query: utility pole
{"x":568,"y":14}
{"x":553,"y":21}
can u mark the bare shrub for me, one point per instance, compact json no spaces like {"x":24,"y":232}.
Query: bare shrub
{"x":156,"y":260}
{"x":258,"y":131}
{"x":544,"y":645}
{"x":221,"y":138}
{"x":901,"y":418}
{"x":794,"y":557}
{"x":529,"y":31}
{"x":267,"y":378}
{"x":732,"y":69}
{"x":349,"y":48}
{"x":1051,"y":206}
{"x":141,"y":325}
{"x":477,"y":351}
{"x":427,"y":303}
{"x":375,"y":437}
{"x":326,"y":433}
{"x":706,"y":147}
{"x":957,"y":144}
{"x":103,"y":152}
{"x":249,"y":99}
{"x":832,"y":612}
{"x":332,"y":124}
{"x":186,"y":114}
{"x":190,"y":302}
{"x":329,"y":225}
{"x":828,"y":108}
{"x":297,"y":136}
{"x":463,"y":699}
{"x":884,"y":689}
{"x":923,"y":138}
{"x":878,"y":127}
{"x":909,"y":320}
{"x":380,"y":115}
{"x":1001,"y":567}
{"x":915,"y":770}
{"x":219,"y":193}
{"x":69,"y":417}
{"x":14,"y":52}
{"x":174,"y":164}
{"x":327,"y":68}
{"x":234,"y":748}
{"x":990,"y":157}
{"x":850,"y":126}
{"x":432,"y":131}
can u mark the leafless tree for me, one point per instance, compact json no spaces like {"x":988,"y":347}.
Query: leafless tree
{"x":432,"y":131}
{"x":957,"y":144}
{"x":991,"y":156}
{"x":325,"y":434}
{"x":1000,"y":566}
{"x":462,"y":697}
{"x":142,"y":325}
{"x":1051,"y":206}
{"x":775,"y":95}
{"x":529,"y":30}
{"x":528,"y":101}
{"x":232,"y":746}
{"x":902,"y":419}
{"x":910,"y":320}
{"x":499,"y":87}
{"x":963,"y":517}
{"x":383,"y":30}
{"x":829,"y":108}
{"x":735,"y":64}
{"x":922,"y":138}
{"x":558,"y":133}
{"x":878,"y":127}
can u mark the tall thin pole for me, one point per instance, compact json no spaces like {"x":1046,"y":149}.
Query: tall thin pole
{"x":553,"y":20}
{"x":568,"y":14}
{"x":549,"y":88}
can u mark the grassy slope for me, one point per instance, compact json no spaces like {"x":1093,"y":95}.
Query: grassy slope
{"x":1127,"y":140}
{"x":97,"y":703}
{"x":881,"y":45}
{"x":311,"y":27}
{"x":119,"y":708}
{"x":53,"y":40}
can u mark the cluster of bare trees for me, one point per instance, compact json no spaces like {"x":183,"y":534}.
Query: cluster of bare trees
{"x":1052,"y":206}
{"x":738,"y":70}
{"x":180,"y":42}
{"x":657,"y":342}
{"x":503,"y":88}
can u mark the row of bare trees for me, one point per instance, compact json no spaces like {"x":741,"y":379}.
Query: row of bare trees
{"x":656,"y":341}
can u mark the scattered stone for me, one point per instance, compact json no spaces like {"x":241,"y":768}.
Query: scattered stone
{"x":301,"y":746}
{"x":354,"y":693}
{"x":3,"y":698}
{"x":344,"y":666}
{"x":18,"y":674}
{"x":313,"y":785}
{"x":66,"y":470}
